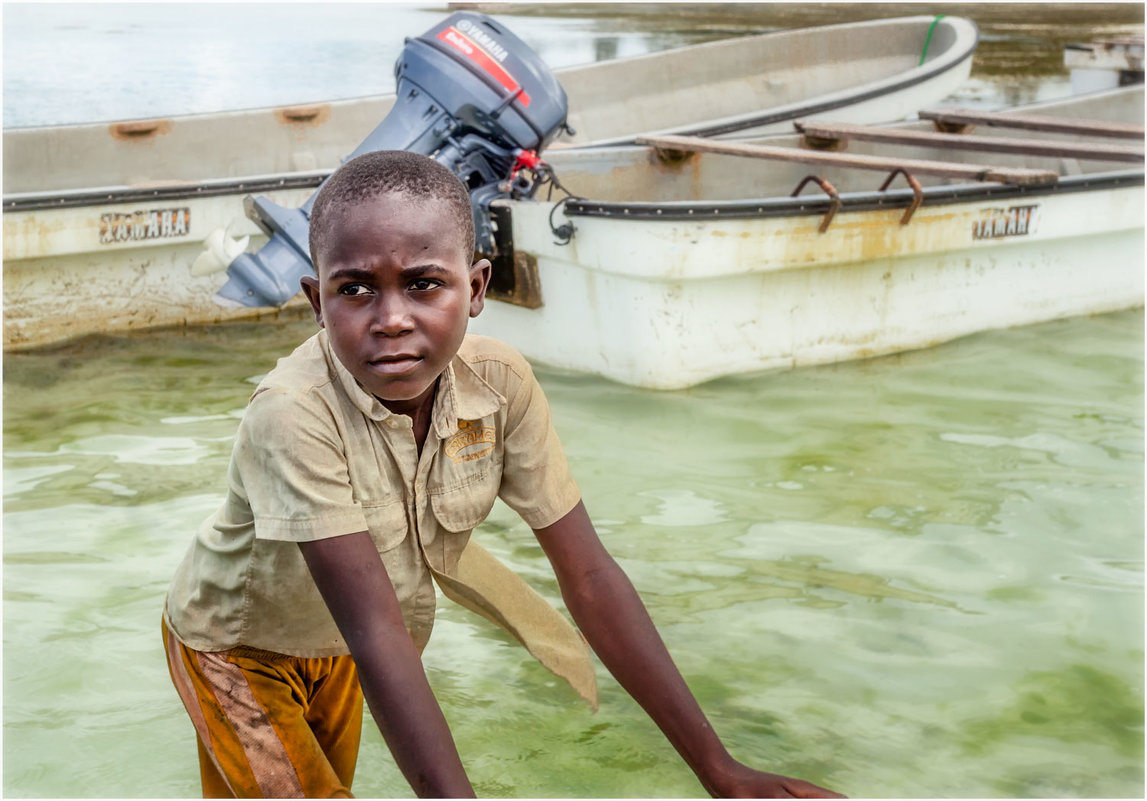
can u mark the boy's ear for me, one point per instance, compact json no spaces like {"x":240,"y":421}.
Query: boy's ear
{"x":479,"y":280}
{"x":310,"y":286}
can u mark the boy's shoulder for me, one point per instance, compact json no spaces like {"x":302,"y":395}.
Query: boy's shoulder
{"x":294,"y":400}
{"x":297,"y":374}
{"x":303,"y":367}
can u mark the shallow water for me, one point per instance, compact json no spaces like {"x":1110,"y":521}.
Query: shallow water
{"x":920,"y":575}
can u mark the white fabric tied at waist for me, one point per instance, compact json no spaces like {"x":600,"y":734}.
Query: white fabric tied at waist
{"x":487,"y":587}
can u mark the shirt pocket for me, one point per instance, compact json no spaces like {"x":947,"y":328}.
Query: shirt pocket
{"x":465,"y":502}
{"x":458,"y":509}
{"x":387,"y":523}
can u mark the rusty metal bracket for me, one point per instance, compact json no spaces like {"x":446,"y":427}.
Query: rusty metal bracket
{"x":943,"y":126}
{"x":671,"y":157}
{"x":917,"y":192}
{"x":514,"y":274}
{"x":830,"y":190}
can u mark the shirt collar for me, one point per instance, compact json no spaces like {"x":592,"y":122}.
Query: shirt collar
{"x":462,"y":393}
{"x":362,"y":400}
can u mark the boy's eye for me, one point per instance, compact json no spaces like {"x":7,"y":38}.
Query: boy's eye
{"x":424,"y":283}
{"x":354,"y":289}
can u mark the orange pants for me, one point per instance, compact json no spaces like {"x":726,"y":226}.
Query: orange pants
{"x":270,"y":725}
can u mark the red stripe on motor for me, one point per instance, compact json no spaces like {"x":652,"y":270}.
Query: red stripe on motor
{"x":473,"y":51}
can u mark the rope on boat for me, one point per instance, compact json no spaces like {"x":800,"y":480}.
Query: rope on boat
{"x":928,"y":40}
{"x":545,"y":174}
{"x":562,"y":233}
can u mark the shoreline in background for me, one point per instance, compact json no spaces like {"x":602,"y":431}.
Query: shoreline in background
{"x":162,"y":60}
{"x":1015,"y":37}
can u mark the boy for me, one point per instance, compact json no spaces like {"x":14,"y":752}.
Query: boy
{"x":363,"y":461}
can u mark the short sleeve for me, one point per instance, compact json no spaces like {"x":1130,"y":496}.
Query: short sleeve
{"x":292,"y":465}
{"x":536,"y":479}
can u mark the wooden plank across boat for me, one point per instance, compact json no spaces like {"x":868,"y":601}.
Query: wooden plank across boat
{"x":946,"y":169}
{"x":833,"y":133}
{"x":963,"y":118}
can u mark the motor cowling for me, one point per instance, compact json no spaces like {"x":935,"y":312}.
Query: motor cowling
{"x":470,"y":95}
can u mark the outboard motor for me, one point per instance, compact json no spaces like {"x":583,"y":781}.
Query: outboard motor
{"x":469,"y":94}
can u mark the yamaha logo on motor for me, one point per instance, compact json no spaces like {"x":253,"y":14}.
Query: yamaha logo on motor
{"x":481,"y":38}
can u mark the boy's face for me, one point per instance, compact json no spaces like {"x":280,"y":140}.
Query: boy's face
{"x":394,"y":291}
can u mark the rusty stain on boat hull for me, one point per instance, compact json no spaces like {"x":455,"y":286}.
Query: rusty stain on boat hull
{"x":312,"y":115}
{"x":52,"y":300}
{"x":140,"y":130}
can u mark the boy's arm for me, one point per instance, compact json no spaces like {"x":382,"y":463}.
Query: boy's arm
{"x":356,"y":588}
{"x":609,"y":612}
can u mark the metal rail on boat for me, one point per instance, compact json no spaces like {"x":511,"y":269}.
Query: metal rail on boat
{"x":131,"y":194}
{"x":852,"y":201}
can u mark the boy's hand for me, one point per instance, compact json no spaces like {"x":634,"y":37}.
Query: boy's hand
{"x":740,"y":781}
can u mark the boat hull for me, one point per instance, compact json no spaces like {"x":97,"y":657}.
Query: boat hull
{"x":685,"y":267}
{"x":669,"y":304}
{"x":93,"y":269}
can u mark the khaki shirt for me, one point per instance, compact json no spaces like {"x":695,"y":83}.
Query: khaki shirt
{"x":316,"y":456}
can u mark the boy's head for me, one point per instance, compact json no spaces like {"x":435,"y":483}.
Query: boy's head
{"x":386,"y":172}
{"x":391,"y":238}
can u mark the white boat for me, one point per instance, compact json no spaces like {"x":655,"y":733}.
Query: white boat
{"x":1104,"y":63}
{"x":102,"y":222}
{"x":689,"y":259}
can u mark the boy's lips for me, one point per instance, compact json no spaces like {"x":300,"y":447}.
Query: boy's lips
{"x":395,"y":365}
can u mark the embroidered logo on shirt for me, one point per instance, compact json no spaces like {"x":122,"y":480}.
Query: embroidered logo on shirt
{"x":473,"y":441}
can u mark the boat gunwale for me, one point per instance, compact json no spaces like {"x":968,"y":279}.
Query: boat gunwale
{"x":64,"y":199}
{"x":619,"y":63}
{"x":677,"y":210}
{"x":587,"y":207}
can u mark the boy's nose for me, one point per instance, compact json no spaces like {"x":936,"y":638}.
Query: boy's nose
{"x":391,"y":318}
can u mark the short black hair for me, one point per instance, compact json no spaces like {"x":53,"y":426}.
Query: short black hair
{"x":382,"y":172}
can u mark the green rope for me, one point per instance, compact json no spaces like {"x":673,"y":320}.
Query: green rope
{"x":928,"y":41}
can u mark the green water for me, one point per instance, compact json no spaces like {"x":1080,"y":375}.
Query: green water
{"x":920,"y":575}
